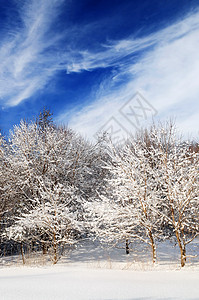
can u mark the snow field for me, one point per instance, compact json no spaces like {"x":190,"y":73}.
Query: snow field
{"x":75,"y":283}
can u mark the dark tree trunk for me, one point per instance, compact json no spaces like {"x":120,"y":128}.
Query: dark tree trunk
{"x":152,"y":246}
{"x":44,"y":248}
{"x":22,"y":253}
{"x":127,"y":247}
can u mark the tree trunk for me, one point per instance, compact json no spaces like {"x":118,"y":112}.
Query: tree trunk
{"x":44,"y":248}
{"x":22,"y":254}
{"x":55,"y":258}
{"x":183,"y":256}
{"x":153,"y":247}
{"x":127,"y":246}
{"x":182,"y":249}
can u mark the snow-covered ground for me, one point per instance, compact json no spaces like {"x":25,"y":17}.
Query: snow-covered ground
{"x":94,"y":273}
{"x":80,"y":283}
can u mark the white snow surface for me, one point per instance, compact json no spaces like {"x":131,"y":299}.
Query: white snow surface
{"x":81,"y":283}
{"x":93,"y":273}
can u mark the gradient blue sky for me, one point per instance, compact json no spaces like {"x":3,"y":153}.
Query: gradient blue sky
{"x":84,"y":59}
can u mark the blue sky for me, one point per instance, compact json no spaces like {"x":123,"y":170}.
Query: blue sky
{"x":85,"y":59}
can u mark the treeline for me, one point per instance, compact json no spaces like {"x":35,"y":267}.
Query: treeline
{"x":56,"y":188}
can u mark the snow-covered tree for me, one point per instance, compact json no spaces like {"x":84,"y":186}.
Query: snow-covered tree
{"x":3,"y":183}
{"x":45,"y":119}
{"x":51,"y":179}
{"x":52,"y":221}
{"x":2,"y":174}
{"x":8,"y":192}
{"x":43,"y":164}
{"x":85,"y":171}
{"x":152,"y":193}
{"x":179,"y":188}
{"x":131,"y":211}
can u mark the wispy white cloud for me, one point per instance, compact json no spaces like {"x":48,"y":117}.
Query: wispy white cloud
{"x":114,"y":51}
{"x":166,"y":73}
{"x":26,"y":52}
{"x":163,"y":66}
